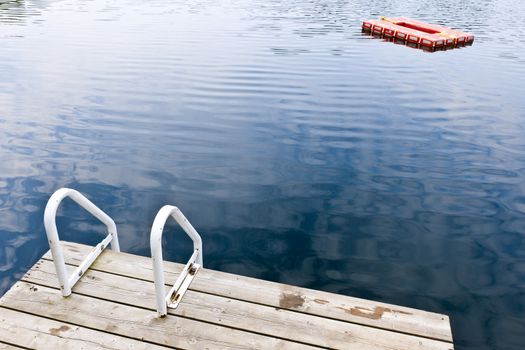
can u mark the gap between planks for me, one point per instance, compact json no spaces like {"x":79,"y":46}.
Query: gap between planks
{"x":133,"y":322}
{"x":233,"y":313}
{"x":349,"y":309}
{"x":7,"y":346}
{"x":139,"y":294}
{"x":251,"y":310}
{"x":35,"y":332}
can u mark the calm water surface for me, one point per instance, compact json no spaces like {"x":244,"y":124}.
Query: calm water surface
{"x":303,"y":151}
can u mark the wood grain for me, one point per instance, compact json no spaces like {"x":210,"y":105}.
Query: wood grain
{"x":35,"y":332}
{"x":134,"y":322}
{"x":256,"y":318}
{"x":329,"y":305}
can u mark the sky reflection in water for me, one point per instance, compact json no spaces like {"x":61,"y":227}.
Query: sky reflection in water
{"x":302,"y":151}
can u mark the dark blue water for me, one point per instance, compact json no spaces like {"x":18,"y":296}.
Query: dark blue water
{"x":303,"y":151}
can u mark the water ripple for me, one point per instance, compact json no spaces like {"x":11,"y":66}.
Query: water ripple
{"x":302,"y":150}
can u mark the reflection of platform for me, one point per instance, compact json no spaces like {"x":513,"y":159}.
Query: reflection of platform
{"x":417,"y":34}
{"x":113,"y":306}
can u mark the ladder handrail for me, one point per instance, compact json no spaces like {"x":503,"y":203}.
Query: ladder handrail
{"x":66,"y":283}
{"x":194,"y":263}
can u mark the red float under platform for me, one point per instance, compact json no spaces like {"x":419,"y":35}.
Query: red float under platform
{"x":420,"y":34}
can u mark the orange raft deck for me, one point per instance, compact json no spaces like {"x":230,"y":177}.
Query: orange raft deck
{"x":416,"y":32}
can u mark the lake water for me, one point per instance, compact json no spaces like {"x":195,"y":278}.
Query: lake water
{"x":303,"y":151}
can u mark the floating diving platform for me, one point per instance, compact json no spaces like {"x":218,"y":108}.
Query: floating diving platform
{"x":114,"y":304}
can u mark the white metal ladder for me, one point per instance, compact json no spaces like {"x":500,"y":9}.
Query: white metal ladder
{"x":174,"y":296}
{"x":181,"y":285}
{"x":66,"y":283}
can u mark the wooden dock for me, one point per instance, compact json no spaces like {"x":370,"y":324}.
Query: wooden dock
{"x":113,"y":307}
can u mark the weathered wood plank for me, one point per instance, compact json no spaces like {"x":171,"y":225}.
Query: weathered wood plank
{"x":134,"y":322}
{"x":41,"y":333}
{"x":355,"y":310}
{"x":237,"y":314}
